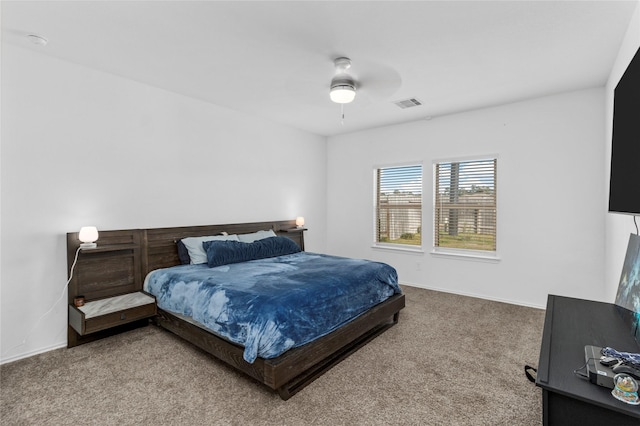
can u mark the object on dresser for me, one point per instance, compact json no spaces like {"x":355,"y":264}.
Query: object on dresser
{"x":626,"y":368}
{"x":609,"y":361}
{"x":628,"y":295}
{"x":599,"y":374}
{"x":629,"y":357}
{"x":626,"y":389}
{"x":629,"y":361}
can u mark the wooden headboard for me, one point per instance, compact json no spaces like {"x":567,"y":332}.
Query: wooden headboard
{"x":160,"y":250}
{"x":123,"y":258}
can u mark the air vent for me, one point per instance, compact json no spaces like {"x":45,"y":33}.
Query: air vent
{"x":408,"y":103}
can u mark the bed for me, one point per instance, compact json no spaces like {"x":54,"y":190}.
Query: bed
{"x":289,"y":363}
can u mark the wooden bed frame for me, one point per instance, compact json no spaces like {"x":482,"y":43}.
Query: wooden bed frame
{"x":134,"y":253}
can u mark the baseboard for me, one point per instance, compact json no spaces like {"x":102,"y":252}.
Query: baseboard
{"x":32,"y":353}
{"x":477,"y":296}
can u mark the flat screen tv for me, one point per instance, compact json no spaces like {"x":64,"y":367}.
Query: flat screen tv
{"x":624,"y":186}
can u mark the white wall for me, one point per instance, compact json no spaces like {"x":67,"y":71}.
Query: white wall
{"x":618,"y":226}
{"x":550,"y":196}
{"x":82,"y":147}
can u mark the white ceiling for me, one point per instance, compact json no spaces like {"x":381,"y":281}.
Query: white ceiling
{"x":275,"y":59}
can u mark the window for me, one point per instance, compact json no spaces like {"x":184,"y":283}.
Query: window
{"x":398,"y":205}
{"x":465,"y":205}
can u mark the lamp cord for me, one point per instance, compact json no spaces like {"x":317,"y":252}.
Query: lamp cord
{"x":75,"y":260}
{"x":636,"y":224}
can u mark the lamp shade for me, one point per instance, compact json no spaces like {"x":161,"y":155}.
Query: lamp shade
{"x":88,"y":235}
{"x":342,"y":94}
{"x":299,"y":221}
{"x":342,"y":89}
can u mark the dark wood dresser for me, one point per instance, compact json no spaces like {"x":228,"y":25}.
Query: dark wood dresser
{"x":567,"y":398}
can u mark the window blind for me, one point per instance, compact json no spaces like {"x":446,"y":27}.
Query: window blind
{"x":398,"y":205}
{"x":465,"y":210}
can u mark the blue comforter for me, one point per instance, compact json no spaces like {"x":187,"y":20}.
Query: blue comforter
{"x":272,"y":305}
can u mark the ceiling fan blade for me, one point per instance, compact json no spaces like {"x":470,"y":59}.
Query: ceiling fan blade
{"x":376,"y":81}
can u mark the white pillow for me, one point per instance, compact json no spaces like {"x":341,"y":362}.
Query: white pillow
{"x":255,"y":236}
{"x":194,"y":246}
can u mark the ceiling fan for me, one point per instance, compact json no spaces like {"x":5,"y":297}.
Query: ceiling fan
{"x":376,"y":81}
{"x":343,"y":87}
{"x":366,"y":83}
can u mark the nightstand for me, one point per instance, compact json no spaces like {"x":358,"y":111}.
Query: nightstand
{"x":296,"y":235}
{"x":111,"y":312}
{"x":109,"y":277}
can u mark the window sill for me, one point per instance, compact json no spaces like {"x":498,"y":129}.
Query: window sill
{"x":467,"y":255}
{"x":399,"y":248}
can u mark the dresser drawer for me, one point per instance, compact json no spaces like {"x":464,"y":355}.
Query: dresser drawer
{"x":111,"y":312}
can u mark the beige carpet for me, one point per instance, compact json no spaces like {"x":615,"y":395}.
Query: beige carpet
{"x":451,"y":360}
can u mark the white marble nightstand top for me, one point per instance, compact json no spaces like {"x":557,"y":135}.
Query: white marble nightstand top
{"x":115,"y":304}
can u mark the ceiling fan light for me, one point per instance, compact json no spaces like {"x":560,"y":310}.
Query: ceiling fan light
{"x":342,"y":93}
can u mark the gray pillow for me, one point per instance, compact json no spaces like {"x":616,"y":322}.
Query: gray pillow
{"x":255,"y":236}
